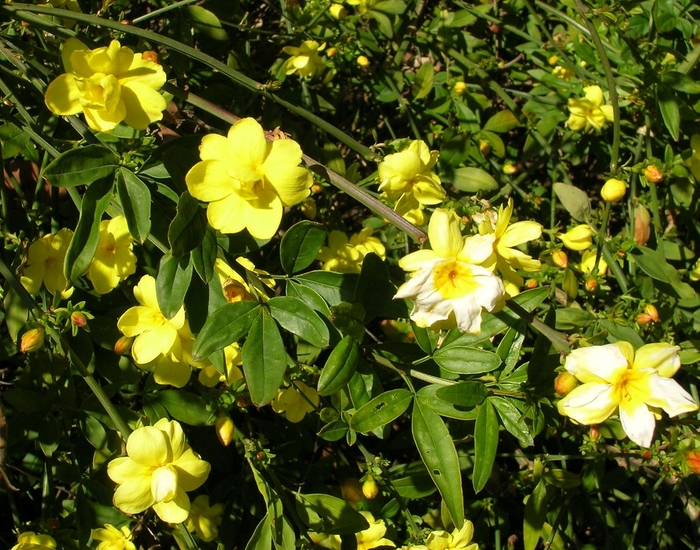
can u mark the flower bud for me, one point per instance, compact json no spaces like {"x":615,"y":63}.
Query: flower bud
{"x":613,"y":190}
{"x":460,"y":87}
{"x":121,"y":347}
{"x":565,"y":383}
{"x":235,"y":291}
{"x":653,"y":174}
{"x":32,"y":340}
{"x":78,"y":319}
{"x":578,"y":238}
{"x":642,"y":226}
{"x":530,"y":284}
{"x":351,"y":490}
{"x":338,"y":11}
{"x":332,"y":52}
{"x":569,"y":284}
{"x":553,"y":60}
{"x":362,"y":61}
{"x":509,"y":169}
{"x":150,"y":56}
{"x":308,"y":208}
{"x":594,"y":432}
{"x":591,"y":285}
{"x":224,"y":429}
{"x":559,"y":258}
{"x":370,"y":488}
{"x":484,"y":147}
{"x":692,"y":460}
{"x":649,"y":315}
{"x":669,"y":59}
{"x":316,"y":188}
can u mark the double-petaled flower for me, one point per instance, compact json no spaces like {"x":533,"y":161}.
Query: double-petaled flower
{"x":114,"y":260}
{"x":248,"y":180}
{"x":109,"y":85}
{"x":589,"y":111}
{"x":449,"y":285}
{"x":372,"y":537}
{"x":32,"y":541}
{"x":112,"y":538}
{"x":616,"y":379}
{"x":296,"y":401}
{"x":346,"y":255}
{"x":159,"y":471}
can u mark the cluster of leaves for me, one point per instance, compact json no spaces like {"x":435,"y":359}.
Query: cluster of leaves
{"x":450,"y":425}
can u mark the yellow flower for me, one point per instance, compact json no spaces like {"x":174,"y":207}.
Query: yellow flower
{"x":588,"y":263}
{"x":159,"y":469}
{"x":113,"y":539}
{"x":366,"y":243}
{"x":459,"y":539}
{"x":507,"y":258}
{"x":338,"y":11}
{"x":460,"y":87}
{"x":345,"y":255}
{"x":449,"y":285}
{"x":362,"y":61}
{"x":109,"y":85}
{"x":409,"y":172}
{"x":613,"y":190}
{"x":694,"y":273}
{"x":564,"y":73}
{"x":618,"y":379}
{"x":31,"y":541}
{"x":45,"y":264}
{"x":113,"y":261}
{"x":693,"y":161}
{"x":209,"y":376}
{"x":372,"y":537}
{"x":411,"y":210}
{"x":589,"y":112}
{"x":305,"y":59}
{"x":204,"y":519}
{"x":296,"y":401}
{"x":247,"y":180}
{"x":577,"y":238}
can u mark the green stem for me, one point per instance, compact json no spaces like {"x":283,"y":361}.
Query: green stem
{"x":554,"y":336}
{"x":615,"y":268}
{"x":161,"y":11}
{"x":656,"y":209}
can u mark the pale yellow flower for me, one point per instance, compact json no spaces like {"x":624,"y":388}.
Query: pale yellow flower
{"x":305,"y":59}
{"x":45,"y":264}
{"x":577,"y":238}
{"x":588,"y":263}
{"x":204,"y":519}
{"x":159,"y":470}
{"x":366,"y":243}
{"x":296,"y":401}
{"x":372,"y":537}
{"x":340,"y":255}
{"x":565,"y":73}
{"x":589,"y":112}
{"x":113,"y":539}
{"x":114,"y":260}
{"x":209,"y":376}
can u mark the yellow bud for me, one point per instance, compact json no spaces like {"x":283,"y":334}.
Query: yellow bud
{"x":591,"y":285}
{"x":78,"y":319}
{"x":308,"y":208}
{"x":235,"y":291}
{"x":553,"y":60}
{"x":332,"y":52}
{"x":32,"y":340}
{"x":460,"y":87}
{"x":594,"y":432}
{"x":613,"y":190}
{"x":362,"y":61}
{"x":649,"y":315}
{"x":122,"y":345}
{"x":509,"y":169}
{"x":316,"y":188}
{"x":559,"y":258}
{"x":224,"y":429}
{"x":653,"y":174}
{"x":565,"y":383}
{"x":484,"y":147}
{"x":370,"y":488}
{"x":642,"y":226}
{"x":338,"y":11}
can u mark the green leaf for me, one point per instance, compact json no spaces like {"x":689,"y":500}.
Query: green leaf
{"x":670,"y":113}
{"x":184,"y":406}
{"x":619,"y":332}
{"x":428,"y":396}
{"x":308,"y":296}
{"x":463,"y":394}
{"x":384,"y":25}
{"x":512,"y":419}
{"x":226,"y":325}
{"x":135,"y":198}
{"x":172,"y":282}
{"x":439,"y":455}
{"x":300,"y":245}
{"x":680,"y":82}
{"x":333,"y":431}
{"x":340,"y":366}
{"x":204,"y":256}
{"x":333,"y":287}
{"x":535,"y":515}
{"x":81,"y":166}
{"x":187,"y":230}
{"x":562,"y":479}
{"x":261,"y":539}
{"x":329,"y":514}
{"x":471,"y":180}
{"x":502,"y":122}
{"x":423,"y":82}
{"x":13,"y":140}
{"x":465,"y":359}
{"x":83,"y":245}
{"x":485,"y":445}
{"x":206,"y":22}
{"x":412,"y":480}
{"x":333,"y":157}
{"x":264,"y":359}
{"x":392,"y":7}
{"x":569,"y":318}
{"x":655,"y":265}
{"x":381,"y":410}
{"x":574,"y":200}
{"x":298,"y":318}
{"x":373,"y":289}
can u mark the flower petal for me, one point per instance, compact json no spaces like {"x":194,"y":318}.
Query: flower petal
{"x":148,"y":446}
{"x":520,"y":233}
{"x":192,"y":470}
{"x":444,"y":233}
{"x":209,"y":181}
{"x":62,"y":96}
{"x":638,"y":424}
{"x":123,"y":469}
{"x":133,"y":496}
{"x":151,"y":343}
{"x":589,"y":404}
{"x":662,"y":357}
{"x":105,"y":121}
{"x":144,"y":105}
{"x":174,"y":511}
{"x":668,"y":395}
{"x":596,"y":364}
{"x":247,"y":143}
{"x":214,"y":147}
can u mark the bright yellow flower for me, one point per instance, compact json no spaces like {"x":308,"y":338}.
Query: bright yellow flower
{"x":45,"y":264}
{"x":694,"y":273}
{"x":459,"y":539}
{"x":305,"y":59}
{"x":618,"y":379}
{"x":296,"y":401}
{"x":113,"y":539}
{"x":113,"y":261}
{"x":338,"y":11}
{"x":345,"y":255}
{"x":366,"y":243}
{"x":693,"y":161}
{"x":159,"y":470}
{"x":247,"y":180}
{"x":409,"y":172}
{"x":588,"y":263}
{"x":209,"y":376}
{"x":411,"y":210}
{"x":449,"y":285}
{"x":155,"y":335}
{"x":577,"y":238}
{"x":31,"y":541}
{"x":204,"y":519}
{"x":589,"y":112}
{"x":507,"y":258}
{"x":372,"y":537}
{"x":109,"y":85}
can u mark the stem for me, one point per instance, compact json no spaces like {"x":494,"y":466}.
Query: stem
{"x":156,"y":13}
{"x":615,"y":268}
{"x":554,"y":336}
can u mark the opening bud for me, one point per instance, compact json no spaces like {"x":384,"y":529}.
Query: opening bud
{"x":460,"y":87}
{"x":308,"y":208}
{"x":591,"y":285}
{"x":150,"y":56}
{"x":332,"y":52}
{"x":509,"y":169}
{"x":225,"y":429}
{"x":78,"y":319}
{"x":559,"y":258}
{"x":122,"y":346}
{"x":32,"y":340}
{"x":484,"y":147}
{"x":653,"y":174}
{"x":649,"y":315}
{"x":370,"y":488}
{"x":530,"y":284}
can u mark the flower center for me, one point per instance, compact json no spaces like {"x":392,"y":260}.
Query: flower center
{"x":632,"y":387}
{"x":454,"y":279}
{"x":164,"y":483}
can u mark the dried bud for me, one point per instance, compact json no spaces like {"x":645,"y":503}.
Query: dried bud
{"x":531,"y":283}
{"x":591,"y":285}
{"x":692,"y":460}
{"x":362,"y":61}
{"x":150,"y":56}
{"x":460,"y":87}
{"x":308,"y":208}
{"x":224,"y":429}
{"x":484,"y":147}
{"x":653,"y":174}
{"x":646,"y":455}
{"x":565,"y":383}
{"x":78,"y":319}
{"x":613,"y":190}
{"x":495,"y":29}
{"x":32,"y":340}
{"x":338,"y":11}
{"x":121,"y":347}
{"x":649,"y":315}
{"x":559,"y":258}
{"x":642,"y":226}
{"x":351,"y":490}
{"x":370,"y":488}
